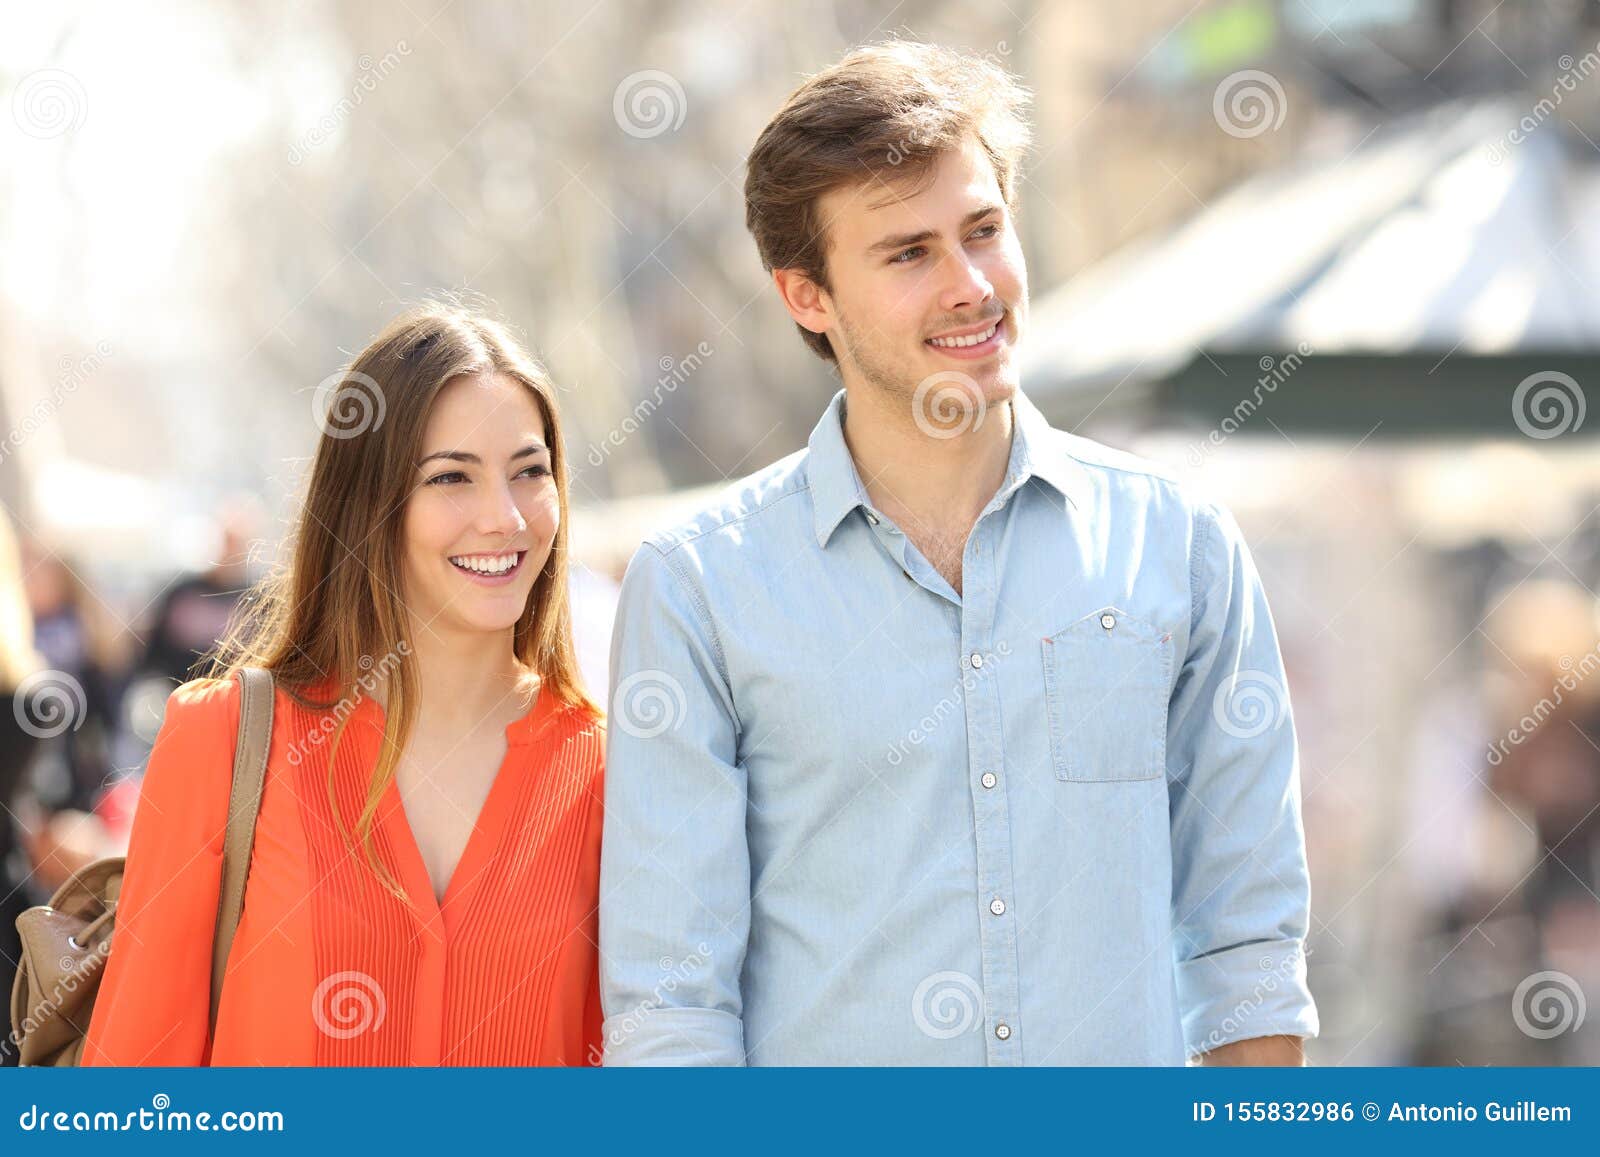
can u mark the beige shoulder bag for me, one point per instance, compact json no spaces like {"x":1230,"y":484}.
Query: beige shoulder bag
{"x":65,"y":943}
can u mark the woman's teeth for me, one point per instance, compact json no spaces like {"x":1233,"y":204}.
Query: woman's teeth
{"x":489,"y":564}
{"x":970,"y":339}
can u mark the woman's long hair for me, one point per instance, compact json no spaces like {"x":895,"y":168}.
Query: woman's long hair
{"x":335,"y":611}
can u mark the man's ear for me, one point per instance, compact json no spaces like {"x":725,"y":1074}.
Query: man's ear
{"x":807,"y":302}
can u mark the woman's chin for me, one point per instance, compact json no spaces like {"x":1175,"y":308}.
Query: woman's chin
{"x":492,"y":615}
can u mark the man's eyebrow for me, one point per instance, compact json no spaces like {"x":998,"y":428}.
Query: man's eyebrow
{"x":906,"y":239}
{"x":464,"y":456}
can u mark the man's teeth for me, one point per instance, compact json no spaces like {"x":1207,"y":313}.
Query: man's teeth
{"x":486,"y":563}
{"x":970,"y":339}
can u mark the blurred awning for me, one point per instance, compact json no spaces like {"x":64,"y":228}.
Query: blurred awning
{"x":1408,"y":287}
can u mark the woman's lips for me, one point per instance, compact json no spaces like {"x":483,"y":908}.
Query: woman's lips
{"x":491,"y":580}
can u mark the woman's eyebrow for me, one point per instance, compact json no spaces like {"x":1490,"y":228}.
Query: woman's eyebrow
{"x":463,"y":456}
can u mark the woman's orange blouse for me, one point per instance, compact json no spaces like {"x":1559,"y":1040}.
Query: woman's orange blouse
{"x":328,"y":967}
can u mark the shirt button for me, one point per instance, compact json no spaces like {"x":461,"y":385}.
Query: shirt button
{"x":1108,"y":621}
{"x":997,"y":906}
{"x":1003,"y":1031}
{"x":989,"y":779}
{"x":872,"y":518}
{"x":977,"y":659}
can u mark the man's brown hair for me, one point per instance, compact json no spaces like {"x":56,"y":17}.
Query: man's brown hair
{"x":883,"y":114}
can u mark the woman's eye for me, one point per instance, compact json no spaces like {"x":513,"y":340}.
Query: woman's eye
{"x":448,"y":476}
{"x":537,"y":471}
{"x":906,"y":256}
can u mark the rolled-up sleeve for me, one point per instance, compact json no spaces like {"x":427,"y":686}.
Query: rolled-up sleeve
{"x":1241,"y":891}
{"x":675,"y":863}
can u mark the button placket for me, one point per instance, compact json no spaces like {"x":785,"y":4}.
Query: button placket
{"x":997,"y":937}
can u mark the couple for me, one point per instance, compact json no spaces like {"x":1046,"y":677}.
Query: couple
{"x":924,"y":743}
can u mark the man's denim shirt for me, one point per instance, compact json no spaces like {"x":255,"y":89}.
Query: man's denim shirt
{"x":854,"y":817}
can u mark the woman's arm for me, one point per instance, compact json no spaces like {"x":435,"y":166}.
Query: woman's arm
{"x":154,"y":1003}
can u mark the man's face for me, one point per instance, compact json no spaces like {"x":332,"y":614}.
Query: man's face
{"x":915,"y":275}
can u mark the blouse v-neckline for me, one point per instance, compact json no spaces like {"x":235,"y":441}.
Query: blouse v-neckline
{"x":441,"y":915}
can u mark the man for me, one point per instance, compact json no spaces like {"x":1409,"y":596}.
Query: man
{"x":952,"y":738}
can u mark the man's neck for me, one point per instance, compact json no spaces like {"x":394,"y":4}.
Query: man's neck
{"x":940,"y":483}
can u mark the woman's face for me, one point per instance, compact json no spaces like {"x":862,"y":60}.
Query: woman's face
{"x":483,"y":510}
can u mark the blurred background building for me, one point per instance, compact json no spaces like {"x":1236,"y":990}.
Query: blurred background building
{"x":1334,"y":261}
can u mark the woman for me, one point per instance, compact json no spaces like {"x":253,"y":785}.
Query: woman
{"x":426,"y":864}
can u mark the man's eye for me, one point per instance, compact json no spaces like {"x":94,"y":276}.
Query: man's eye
{"x":447,"y":477}
{"x":987,"y":231}
{"x":906,"y":256}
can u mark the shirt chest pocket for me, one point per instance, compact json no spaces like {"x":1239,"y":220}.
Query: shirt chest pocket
{"x":1106,"y":688}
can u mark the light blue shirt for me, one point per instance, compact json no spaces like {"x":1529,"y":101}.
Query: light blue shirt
{"x":854,"y":817}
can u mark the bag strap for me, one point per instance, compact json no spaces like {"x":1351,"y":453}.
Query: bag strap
{"x":244,"y":802}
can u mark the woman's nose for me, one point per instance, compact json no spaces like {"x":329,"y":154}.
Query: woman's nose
{"x":500,"y":513}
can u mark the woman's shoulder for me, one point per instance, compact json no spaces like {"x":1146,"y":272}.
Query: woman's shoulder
{"x":219,"y":700}
{"x":188,"y":776}
{"x":581,"y":717}
{"x":203,"y":703}
{"x":579,"y":728}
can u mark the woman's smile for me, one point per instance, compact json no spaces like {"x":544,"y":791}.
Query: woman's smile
{"x":492,"y":570}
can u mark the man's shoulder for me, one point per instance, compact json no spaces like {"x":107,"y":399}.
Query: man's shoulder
{"x":737,"y":509}
{"x":1112,"y":476}
{"x":1118,"y":484}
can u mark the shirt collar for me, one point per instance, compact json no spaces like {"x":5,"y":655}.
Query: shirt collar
{"x":1040,"y":451}
{"x":1036,"y":452}
{"x":836,"y":488}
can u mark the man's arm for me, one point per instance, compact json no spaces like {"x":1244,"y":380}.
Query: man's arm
{"x":1240,"y":889}
{"x":675,"y":864}
{"x":1283,"y":1051}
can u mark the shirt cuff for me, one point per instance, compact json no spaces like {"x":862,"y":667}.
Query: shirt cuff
{"x":1253,"y":990}
{"x":673,"y":1036}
